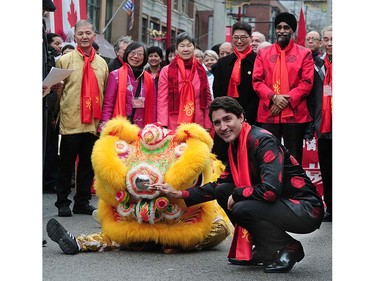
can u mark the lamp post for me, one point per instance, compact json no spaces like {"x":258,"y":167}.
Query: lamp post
{"x":169,"y":24}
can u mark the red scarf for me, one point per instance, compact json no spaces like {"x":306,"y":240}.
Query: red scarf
{"x":235,"y":78}
{"x":180,"y":101}
{"x":120,"y":105}
{"x":90,"y":92}
{"x":241,"y":244}
{"x":280,"y":77}
{"x":326,"y":124}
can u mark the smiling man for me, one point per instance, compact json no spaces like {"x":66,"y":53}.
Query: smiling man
{"x":80,"y":102}
{"x":283,"y":78}
{"x":265,"y":195}
{"x":233,"y":77}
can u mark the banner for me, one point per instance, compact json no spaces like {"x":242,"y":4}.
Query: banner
{"x":67,"y":13}
{"x":310,"y":163}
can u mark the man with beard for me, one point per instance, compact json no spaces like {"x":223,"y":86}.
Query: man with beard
{"x":283,"y":77}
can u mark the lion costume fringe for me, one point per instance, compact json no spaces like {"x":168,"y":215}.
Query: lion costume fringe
{"x":125,"y":159}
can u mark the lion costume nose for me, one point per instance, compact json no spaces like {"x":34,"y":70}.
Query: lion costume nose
{"x":142,"y":182}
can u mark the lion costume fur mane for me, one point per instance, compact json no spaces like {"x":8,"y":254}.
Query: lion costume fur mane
{"x":124,"y":155}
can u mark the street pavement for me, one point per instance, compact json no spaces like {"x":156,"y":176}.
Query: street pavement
{"x":154,"y":266}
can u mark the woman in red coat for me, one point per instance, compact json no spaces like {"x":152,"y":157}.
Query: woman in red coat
{"x":183,"y":91}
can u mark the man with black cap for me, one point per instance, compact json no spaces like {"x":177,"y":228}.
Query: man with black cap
{"x":283,"y":77}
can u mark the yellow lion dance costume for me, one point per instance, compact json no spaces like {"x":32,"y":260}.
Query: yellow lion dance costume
{"x":125,"y":160}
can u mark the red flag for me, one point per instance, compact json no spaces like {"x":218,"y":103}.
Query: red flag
{"x":301,"y":31}
{"x":67,"y":13}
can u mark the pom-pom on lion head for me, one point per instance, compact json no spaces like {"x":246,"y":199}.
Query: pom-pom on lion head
{"x":126,"y":159}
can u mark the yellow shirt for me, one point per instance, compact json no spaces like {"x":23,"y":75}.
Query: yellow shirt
{"x":70,"y":95}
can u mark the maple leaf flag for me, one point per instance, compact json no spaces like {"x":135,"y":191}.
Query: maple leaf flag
{"x":67,"y":13}
{"x":301,"y":31}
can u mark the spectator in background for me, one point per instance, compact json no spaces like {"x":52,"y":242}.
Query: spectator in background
{"x":155,"y":57}
{"x":263,"y":44}
{"x":80,"y":109}
{"x":96,"y":47}
{"x":55,"y":44}
{"x":320,"y":105}
{"x":50,"y":134}
{"x":170,"y":54}
{"x":256,"y":39}
{"x":313,"y":42}
{"x":225,"y":49}
{"x":184,"y":93}
{"x":283,"y":84}
{"x":67,"y":48}
{"x":130,"y":90}
{"x":209,"y":59}
{"x":215,"y":48}
{"x":119,"y":48}
{"x":198,"y":53}
{"x":233,"y":77}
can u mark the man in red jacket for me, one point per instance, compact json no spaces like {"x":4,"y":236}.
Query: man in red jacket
{"x":283,"y":76}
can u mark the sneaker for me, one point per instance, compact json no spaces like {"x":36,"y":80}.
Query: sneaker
{"x":95,"y":216}
{"x":66,"y":240}
{"x":64,"y":211}
{"x":84,"y":210}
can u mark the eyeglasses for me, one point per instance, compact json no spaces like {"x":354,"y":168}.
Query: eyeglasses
{"x":242,"y":38}
{"x":312,"y":38}
{"x":139,"y":54}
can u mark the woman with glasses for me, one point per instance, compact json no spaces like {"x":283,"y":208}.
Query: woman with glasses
{"x":183,"y":91}
{"x":130,"y":90}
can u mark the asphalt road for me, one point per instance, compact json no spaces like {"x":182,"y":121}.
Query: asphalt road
{"x":145,"y":266}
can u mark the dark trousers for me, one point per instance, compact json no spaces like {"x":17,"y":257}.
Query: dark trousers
{"x":292,"y":135}
{"x":71,"y":146}
{"x":267,"y":222}
{"x":50,"y":142}
{"x":325,"y":162}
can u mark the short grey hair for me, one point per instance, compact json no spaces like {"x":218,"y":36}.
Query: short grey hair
{"x":122,"y":39}
{"x":210,"y":53}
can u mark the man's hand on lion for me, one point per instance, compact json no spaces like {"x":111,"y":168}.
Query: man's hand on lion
{"x":167,"y":190}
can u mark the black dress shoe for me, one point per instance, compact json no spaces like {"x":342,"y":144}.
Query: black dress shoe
{"x":64,"y":211}
{"x":258,"y":258}
{"x":287,"y":258}
{"x":84,"y":210}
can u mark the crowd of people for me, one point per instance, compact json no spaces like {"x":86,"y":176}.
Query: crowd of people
{"x":258,"y":100}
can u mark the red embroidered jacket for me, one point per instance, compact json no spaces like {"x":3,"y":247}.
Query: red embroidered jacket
{"x":300,"y":66}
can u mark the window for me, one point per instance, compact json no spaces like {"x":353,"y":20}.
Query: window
{"x":93,"y":11}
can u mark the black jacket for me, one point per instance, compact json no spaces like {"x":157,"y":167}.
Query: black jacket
{"x":222,"y":72}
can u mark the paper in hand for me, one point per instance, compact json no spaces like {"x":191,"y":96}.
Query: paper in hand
{"x":55,"y":76}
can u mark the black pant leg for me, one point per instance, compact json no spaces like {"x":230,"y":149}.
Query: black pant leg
{"x":68,"y":154}
{"x":85,"y":172}
{"x":268,"y":223}
{"x":325,"y":162}
{"x":293,"y":139}
{"x":222,"y":193}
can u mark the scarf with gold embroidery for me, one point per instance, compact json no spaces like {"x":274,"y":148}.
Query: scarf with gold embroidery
{"x":280,"y":83}
{"x":241,"y":244}
{"x":90,"y":93}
